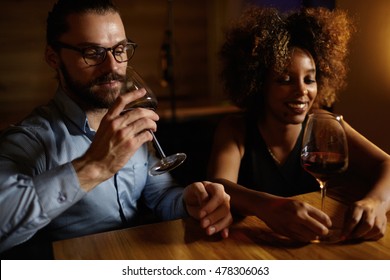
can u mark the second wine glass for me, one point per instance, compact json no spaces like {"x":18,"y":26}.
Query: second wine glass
{"x":324,"y":149}
{"x":149,"y":101}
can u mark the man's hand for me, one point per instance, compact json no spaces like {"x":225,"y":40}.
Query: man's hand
{"x":118,"y":137}
{"x":208,"y":203}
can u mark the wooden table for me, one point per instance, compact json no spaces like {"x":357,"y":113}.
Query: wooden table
{"x":249,"y":239}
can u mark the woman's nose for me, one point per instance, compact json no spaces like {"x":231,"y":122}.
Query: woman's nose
{"x":302,"y":90}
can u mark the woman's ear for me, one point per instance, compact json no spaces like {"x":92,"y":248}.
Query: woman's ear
{"x":52,"y":57}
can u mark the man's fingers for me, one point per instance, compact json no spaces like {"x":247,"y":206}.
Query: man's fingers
{"x":123,"y":100}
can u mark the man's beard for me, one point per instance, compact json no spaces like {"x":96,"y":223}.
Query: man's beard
{"x":90,"y":97}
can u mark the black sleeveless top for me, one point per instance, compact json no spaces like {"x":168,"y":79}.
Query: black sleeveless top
{"x":259,"y":171}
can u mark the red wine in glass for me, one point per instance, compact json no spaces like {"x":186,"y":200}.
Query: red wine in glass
{"x":323,"y":166}
{"x":149,"y":101}
{"x":324,"y":149}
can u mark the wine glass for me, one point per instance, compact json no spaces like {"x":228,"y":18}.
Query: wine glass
{"x":324,"y":152}
{"x":149,"y":101}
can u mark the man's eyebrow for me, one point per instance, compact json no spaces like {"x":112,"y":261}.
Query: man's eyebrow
{"x":93,"y":44}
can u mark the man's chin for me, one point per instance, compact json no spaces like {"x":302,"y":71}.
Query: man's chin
{"x":100,"y":101}
{"x":113,"y":87}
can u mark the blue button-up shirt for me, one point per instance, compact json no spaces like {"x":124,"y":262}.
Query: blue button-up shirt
{"x":39,"y":187}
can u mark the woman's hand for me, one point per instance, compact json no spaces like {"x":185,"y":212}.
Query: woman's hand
{"x":295,"y":219}
{"x":366,"y":220}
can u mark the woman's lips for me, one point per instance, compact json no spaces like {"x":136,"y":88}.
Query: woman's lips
{"x":298,"y":106}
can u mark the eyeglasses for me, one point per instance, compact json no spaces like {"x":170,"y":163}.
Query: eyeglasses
{"x":95,"y":55}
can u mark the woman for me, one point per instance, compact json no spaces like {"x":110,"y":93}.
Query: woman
{"x":278,"y":68}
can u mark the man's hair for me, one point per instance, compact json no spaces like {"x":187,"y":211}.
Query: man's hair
{"x":56,"y":23}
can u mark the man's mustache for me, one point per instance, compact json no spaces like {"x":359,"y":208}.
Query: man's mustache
{"x":108,"y":78}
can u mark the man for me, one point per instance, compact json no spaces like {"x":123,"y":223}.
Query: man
{"x":78,"y":166}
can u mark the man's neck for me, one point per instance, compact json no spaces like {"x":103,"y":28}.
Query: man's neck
{"x":95,"y":117}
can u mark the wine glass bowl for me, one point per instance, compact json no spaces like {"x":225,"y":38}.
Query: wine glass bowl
{"x":324,"y":149}
{"x":149,"y":101}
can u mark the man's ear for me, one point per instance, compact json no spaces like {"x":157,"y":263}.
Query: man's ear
{"x":52,"y":57}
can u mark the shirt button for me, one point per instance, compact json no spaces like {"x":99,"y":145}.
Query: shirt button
{"x":61,"y":197}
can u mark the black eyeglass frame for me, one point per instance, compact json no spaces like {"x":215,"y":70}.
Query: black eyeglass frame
{"x":83,"y":50}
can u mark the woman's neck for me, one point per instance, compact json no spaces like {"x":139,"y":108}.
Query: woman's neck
{"x":280,"y":138}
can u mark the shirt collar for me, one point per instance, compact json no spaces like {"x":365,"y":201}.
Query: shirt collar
{"x":72,"y":111}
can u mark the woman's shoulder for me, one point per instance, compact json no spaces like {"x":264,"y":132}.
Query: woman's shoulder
{"x":234,"y":123}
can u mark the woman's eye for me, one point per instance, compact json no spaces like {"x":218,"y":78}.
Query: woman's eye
{"x":284,"y":79}
{"x":310,"y":81}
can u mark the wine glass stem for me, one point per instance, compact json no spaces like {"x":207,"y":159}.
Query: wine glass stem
{"x":323,"y":195}
{"x":158,"y":147}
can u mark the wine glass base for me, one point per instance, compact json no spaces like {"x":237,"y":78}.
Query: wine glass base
{"x":334,"y":236}
{"x":167,"y":164}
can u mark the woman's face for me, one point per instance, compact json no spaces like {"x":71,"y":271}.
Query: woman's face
{"x":290,"y":95}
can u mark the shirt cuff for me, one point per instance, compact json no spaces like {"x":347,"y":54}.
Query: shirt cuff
{"x":58,"y":189}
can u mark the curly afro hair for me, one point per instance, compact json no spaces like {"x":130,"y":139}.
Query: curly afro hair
{"x":261,"y":40}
